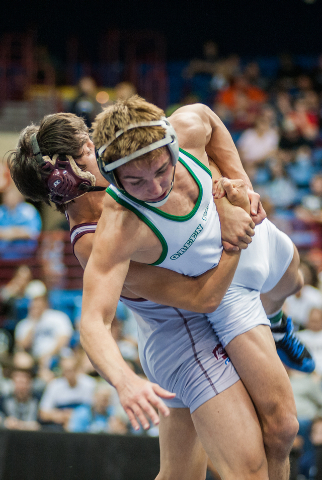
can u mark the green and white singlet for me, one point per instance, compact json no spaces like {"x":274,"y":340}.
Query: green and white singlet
{"x":191,"y":244}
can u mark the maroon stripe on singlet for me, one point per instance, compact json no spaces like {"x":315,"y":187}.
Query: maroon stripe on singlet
{"x":83,"y":231}
{"x":185,"y":321}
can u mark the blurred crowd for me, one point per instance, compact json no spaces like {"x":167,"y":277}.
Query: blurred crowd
{"x":275,"y":118}
{"x":46,"y":380}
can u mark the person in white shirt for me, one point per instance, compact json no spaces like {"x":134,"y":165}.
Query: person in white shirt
{"x":299,"y":305}
{"x":257,"y":144}
{"x":62,"y":395}
{"x":44,"y":332}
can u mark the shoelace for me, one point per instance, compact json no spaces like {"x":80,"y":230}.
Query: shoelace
{"x":293,"y":345}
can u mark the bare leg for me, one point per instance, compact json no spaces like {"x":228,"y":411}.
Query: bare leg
{"x":228,"y":428}
{"x":182,"y":454}
{"x":254,"y":356}
{"x":290,"y":283}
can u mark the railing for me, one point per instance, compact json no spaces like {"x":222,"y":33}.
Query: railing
{"x":53,"y":262}
{"x":81,"y":456}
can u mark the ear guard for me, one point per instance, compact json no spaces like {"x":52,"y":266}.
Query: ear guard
{"x":170,"y":140}
{"x":64,"y":179}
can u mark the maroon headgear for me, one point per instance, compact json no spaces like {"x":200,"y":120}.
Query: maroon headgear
{"x":64,"y":179}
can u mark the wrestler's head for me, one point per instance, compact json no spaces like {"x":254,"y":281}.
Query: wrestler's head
{"x":137,"y":148}
{"x":62,"y":134}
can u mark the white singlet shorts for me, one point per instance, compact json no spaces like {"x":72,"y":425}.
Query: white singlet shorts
{"x":261,"y":267}
{"x":180,"y":351}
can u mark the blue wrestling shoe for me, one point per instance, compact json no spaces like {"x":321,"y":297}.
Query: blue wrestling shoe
{"x":290,"y":349}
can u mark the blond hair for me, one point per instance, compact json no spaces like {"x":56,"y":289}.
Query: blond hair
{"x":118,"y":117}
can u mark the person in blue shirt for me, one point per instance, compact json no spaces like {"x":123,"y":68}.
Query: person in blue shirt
{"x":100,"y":417}
{"x":20,"y":226}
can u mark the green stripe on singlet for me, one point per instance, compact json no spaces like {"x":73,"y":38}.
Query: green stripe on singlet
{"x":146,"y":221}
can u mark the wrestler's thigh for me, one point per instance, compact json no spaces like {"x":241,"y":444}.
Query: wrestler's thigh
{"x":254,"y":356}
{"x":229,"y":430}
{"x":181,"y":453}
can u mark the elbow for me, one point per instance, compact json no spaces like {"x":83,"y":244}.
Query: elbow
{"x":210,"y":307}
{"x":205,"y":306}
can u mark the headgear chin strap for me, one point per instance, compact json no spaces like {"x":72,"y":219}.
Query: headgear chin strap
{"x":63,"y":177}
{"x":170,"y":140}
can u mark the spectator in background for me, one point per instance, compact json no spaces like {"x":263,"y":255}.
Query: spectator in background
{"x":127,"y":345}
{"x":20,"y":226}
{"x":62,"y":395}
{"x":100,"y":417}
{"x":307,"y":394}
{"x":290,"y":138}
{"x":10,"y":294}
{"x":304,"y":121}
{"x":308,"y":400}
{"x":239,"y":84}
{"x":312,"y":337}
{"x":243,"y":115}
{"x":310,"y":210}
{"x":299,"y":306}
{"x":85,"y":104}
{"x":44,"y":332}
{"x":253,"y":75}
{"x":301,"y":169}
{"x":281,"y":190}
{"x":19,"y":410}
{"x":124,"y":90}
{"x":283,"y":106}
{"x":257,"y":145}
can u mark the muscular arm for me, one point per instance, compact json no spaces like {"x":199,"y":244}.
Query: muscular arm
{"x":216,"y":139}
{"x":171,"y":288}
{"x":201,"y":294}
{"x":103,"y":280}
{"x":200,"y":131}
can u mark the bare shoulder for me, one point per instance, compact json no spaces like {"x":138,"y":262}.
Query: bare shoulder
{"x":192,"y":125}
{"x":120,"y":231}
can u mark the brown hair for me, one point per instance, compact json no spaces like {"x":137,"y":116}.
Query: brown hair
{"x":60,"y":133}
{"x":118,"y":117}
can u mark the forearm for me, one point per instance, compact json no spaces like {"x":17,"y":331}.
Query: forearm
{"x":223,"y":152}
{"x":103,"y":352}
{"x":200,"y":294}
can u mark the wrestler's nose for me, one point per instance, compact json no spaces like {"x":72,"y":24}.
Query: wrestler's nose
{"x":155,"y":188}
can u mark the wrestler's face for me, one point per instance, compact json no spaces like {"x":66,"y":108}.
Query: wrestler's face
{"x":87,"y":162}
{"x":149,"y":182}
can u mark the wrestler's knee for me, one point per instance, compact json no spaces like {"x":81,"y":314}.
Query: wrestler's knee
{"x":253,"y":467}
{"x":279,"y":433}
